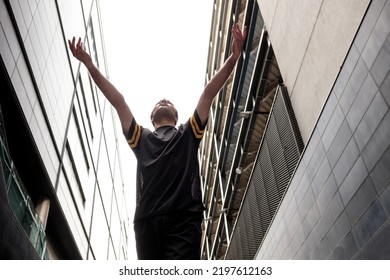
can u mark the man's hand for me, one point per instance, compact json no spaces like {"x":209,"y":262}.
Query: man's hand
{"x":219,"y":79}
{"x":238,"y":40}
{"x":110,"y":92}
{"x":78,"y":51}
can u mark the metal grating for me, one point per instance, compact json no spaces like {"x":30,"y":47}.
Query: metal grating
{"x":277,"y":158}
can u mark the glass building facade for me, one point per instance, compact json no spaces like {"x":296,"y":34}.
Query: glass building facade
{"x":295,"y":159}
{"x":62,"y":185}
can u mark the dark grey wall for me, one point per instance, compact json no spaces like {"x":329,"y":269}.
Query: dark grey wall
{"x":338,"y":203}
{"x":14,"y":243}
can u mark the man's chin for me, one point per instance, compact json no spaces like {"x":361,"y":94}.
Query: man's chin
{"x":163,"y":113}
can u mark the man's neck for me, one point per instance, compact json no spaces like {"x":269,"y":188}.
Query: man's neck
{"x":164,"y":123}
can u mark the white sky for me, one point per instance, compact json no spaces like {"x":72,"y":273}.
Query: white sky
{"x":155,"y":49}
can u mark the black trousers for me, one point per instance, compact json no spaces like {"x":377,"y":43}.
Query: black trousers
{"x":169,"y":237}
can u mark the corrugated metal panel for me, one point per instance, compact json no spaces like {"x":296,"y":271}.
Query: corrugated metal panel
{"x":278,"y":155}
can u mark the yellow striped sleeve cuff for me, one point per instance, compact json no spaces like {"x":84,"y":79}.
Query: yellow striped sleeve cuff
{"x":135,"y":136}
{"x":198,"y":132}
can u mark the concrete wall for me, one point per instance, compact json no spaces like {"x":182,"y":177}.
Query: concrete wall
{"x":311,"y":39}
{"x":337,"y":205}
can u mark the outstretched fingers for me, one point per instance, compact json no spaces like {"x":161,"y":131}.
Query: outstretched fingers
{"x":79,"y":44}
{"x":77,"y":48}
{"x":237,"y":33}
{"x":71,"y":44}
{"x":238,"y":39}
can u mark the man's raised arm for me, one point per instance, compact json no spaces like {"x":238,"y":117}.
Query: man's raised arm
{"x":219,"y":79}
{"x":108,"y":89}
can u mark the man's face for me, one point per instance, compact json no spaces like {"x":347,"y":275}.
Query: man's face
{"x":164,"y":111}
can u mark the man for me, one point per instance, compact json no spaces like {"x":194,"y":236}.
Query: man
{"x":169,"y":208}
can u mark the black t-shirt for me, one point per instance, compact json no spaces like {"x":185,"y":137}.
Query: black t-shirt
{"x":167,"y":168}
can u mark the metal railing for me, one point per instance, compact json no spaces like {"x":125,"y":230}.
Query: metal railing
{"x":18,"y":199}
